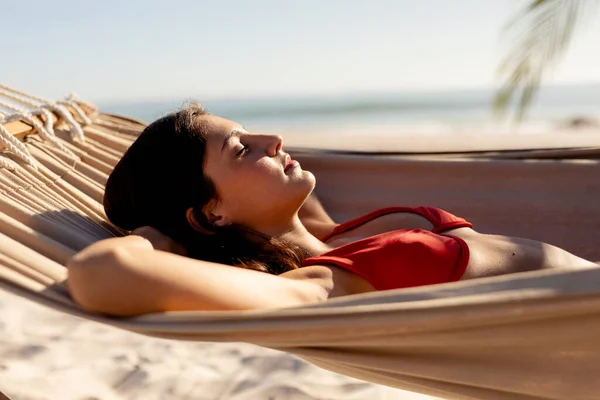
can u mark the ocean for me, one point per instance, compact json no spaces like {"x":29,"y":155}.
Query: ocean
{"x":420,"y":113}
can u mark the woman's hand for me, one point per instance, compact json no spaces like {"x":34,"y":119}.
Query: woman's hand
{"x":159,"y":240}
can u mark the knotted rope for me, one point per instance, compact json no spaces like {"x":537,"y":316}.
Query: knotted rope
{"x":38,"y":102}
{"x":15,"y":146}
{"x":46,"y":132}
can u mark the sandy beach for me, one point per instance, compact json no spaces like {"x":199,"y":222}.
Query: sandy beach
{"x":46,"y":355}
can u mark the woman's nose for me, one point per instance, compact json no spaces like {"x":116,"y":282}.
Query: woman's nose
{"x":275,"y":143}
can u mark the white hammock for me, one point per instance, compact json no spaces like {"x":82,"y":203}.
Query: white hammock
{"x":523,"y":336}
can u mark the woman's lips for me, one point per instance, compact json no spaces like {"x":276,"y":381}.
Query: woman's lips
{"x":291,"y":164}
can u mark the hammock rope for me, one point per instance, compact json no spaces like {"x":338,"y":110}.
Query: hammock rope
{"x":72,"y":101}
{"x":46,"y":132}
{"x":15,"y":146}
{"x":50,"y":105}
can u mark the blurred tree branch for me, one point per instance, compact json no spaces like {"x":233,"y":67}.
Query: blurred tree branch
{"x":539,"y":36}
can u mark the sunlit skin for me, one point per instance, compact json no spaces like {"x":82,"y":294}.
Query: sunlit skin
{"x":261,"y":187}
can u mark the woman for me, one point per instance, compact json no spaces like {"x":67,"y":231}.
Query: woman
{"x":200,"y":191}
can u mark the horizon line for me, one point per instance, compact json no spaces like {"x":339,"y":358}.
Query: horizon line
{"x":316,"y":95}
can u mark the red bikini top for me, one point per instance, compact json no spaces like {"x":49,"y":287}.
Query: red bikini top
{"x":405,"y":257}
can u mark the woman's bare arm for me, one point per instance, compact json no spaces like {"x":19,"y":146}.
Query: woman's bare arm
{"x":127,"y":276}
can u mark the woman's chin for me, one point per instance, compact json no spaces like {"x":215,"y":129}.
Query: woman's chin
{"x":309,"y":179}
{"x":303,"y":186}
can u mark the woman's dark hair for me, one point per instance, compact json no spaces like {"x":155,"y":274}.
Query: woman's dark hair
{"x":161,"y":175}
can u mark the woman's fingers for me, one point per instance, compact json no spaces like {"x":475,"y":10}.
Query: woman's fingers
{"x":159,"y":240}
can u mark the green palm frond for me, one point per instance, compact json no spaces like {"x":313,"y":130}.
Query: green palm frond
{"x":540,"y":34}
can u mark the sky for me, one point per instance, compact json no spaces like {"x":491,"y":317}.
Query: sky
{"x":134,"y":50}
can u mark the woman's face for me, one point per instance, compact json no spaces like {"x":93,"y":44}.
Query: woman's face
{"x":258,"y":184}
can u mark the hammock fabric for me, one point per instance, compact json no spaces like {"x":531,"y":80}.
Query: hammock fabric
{"x":524,"y":336}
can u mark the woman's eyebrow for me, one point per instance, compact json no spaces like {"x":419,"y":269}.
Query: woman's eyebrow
{"x":234,"y":133}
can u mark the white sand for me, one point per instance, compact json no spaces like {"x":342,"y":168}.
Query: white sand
{"x":48,"y":355}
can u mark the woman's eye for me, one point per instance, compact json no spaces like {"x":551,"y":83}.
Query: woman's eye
{"x":242,"y":151}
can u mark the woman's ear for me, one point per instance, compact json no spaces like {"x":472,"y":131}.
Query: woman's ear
{"x":191,"y":218}
{"x":215,"y":215}
{"x":219,"y":220}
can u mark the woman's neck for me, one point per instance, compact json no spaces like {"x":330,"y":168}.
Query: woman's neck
{"x":295,"y":232}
